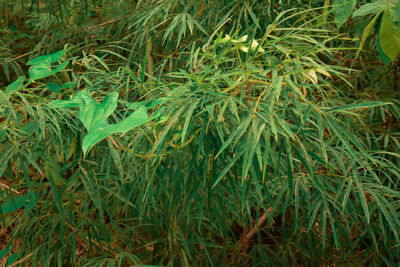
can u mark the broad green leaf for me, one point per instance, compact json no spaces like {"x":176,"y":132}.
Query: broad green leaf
{"x":12,"y":204}
{"x":396,"y":15}
{"x":60,"y":67}
{"x":147,"y":104}
{"x":69,"y":85}
{"x":54,"y":87}
{"x":76,"y":101}
{"x":135,"y":105}
{"x":383,"y":56}
{"x":11,"y":259}
{"x":109,"y":104}
{"x":4,"y":252}
{"x":47,"y":58}
{"x":15,"y":86}
{"x":40,"y":71}
{"x":370,"y":8}
{"x":91,"y":113}
{"x":389,"y":36}
{"x":343,"y":10}
{"x":137,"y":118}
{"x":43,"y":70}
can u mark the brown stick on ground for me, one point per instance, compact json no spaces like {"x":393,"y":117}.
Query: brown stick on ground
{"x":245,"y":240}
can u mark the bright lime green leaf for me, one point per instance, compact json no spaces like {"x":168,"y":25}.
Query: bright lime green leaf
{"x":53,"y":58}
{"x":370,"y":8}
{"x":137,"y":118}
{"x":136,"y":105}
{"x":241,"y":39}
{"x":389,"y":35}
{"x":40,"y":71}
{"x":253,"y":47}
{"x":147,"y":104}
{"x":109,"y":104}
{"x":60,"y":67}
{"x":91,"y":113}
{"x":343,"y":10}
{"x":15,"y":86}
{"x":76,"y":101}
{"x":227,"y":38}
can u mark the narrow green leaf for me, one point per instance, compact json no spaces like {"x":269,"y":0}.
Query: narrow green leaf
{"x":228,"y":167}
{"x":366,"y":32}
{"x":188,"y":118}
{"x":361,"y":193}
{"x":359,"y":105}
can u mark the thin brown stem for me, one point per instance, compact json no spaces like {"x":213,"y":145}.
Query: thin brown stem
{"x":245,"y":240}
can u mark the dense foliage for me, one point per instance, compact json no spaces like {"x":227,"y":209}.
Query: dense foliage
{"x":199,"y":133}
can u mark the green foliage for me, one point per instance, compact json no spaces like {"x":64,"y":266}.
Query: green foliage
{"x":388,"y":41}
{"x":160,"y":132}
{"x":343,"y":11}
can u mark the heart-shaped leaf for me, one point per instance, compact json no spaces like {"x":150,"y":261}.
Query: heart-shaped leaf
{"x":40,"y":71}
{"x":53,"y":58}
{"x":343,"y":10}
{"x":137,"y":118}
{"x":92,"y":113}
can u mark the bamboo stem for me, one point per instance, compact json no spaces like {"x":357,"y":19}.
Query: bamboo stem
{"x":245,"y":240}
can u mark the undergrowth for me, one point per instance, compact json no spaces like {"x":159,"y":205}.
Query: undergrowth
{"x":196,"y":133}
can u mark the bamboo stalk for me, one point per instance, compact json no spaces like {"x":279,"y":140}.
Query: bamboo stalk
{"x":245,"y":240}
